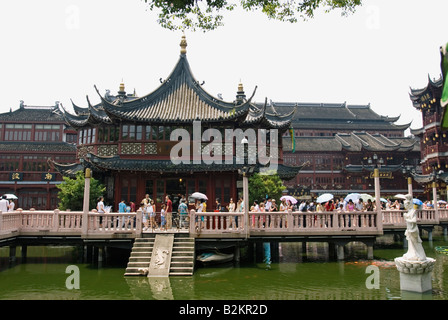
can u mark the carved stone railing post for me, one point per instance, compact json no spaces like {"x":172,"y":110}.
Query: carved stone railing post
{"x":138,"y":221}
{"x":85,"y":215}
{"x":56,"y":220}
{"x":192,"y":222}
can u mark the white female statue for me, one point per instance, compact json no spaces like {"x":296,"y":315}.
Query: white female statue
{"x":415,"y":248}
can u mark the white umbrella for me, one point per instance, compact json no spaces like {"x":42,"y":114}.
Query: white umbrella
{"x":365,"y":197}
{"x":400,"y":196}
{"x":198,"y":195}
{"x":324,"y":197}
{"x":353,"y":196}
{"x":383,"y":200}
{"x":10,"y":196}
{"x":441,"y":201}
{"x":289,"y":198}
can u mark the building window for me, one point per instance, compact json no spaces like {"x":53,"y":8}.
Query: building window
{"x":160,"y":135}
{"x":125,"y":132}
{"x":47,"y":132}
{"x":138,"y":132}
{"x":131,"y":132}
{"x":9,"y":163}
{"x":18,"y":132}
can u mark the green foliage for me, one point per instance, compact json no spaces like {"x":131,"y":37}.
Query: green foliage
{"x":71,"y":192}
{"x":261,"y":185}
{"x":207,"y":15}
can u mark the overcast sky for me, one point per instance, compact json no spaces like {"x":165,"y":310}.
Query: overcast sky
{"x":58,"y":50}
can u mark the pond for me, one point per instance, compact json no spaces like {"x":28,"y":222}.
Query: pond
{"x":303,"y":272}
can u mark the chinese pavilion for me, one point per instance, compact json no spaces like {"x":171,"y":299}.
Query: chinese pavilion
{"x":126,"y":140}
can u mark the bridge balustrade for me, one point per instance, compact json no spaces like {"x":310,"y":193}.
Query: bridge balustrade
{"x":443,"y":215}
{"x":221,"y":224}
{"x":393,"y":218}
{"x":282,"y":222}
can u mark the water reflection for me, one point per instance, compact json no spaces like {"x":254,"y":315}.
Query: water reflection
{"x":302,"y":271}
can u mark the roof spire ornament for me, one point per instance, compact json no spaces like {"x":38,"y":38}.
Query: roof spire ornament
{"x":183,"y":45}
{"x":240,"y":95}
{"x":121,"y":90}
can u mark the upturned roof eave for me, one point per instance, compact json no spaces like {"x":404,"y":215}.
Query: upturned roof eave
{"x":181,"y":75}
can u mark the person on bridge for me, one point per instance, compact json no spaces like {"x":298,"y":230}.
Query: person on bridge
{"x":183,"y":213}
{"x":4,"y":204}
{"x":169,"y":212}
{"x":11,"y":205}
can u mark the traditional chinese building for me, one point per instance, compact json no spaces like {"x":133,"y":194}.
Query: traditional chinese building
{"x":341,"y":144}
{"x":28,"y":137}
{"x":434,"y":142}
{"x":127,"y":140}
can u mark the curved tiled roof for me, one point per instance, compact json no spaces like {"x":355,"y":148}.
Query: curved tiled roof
{"x":33,"y":114}
{"x":416,"y":95}
{"x":354,"y":141}
{"x":338,"y":116}
{"x":179,"y":99}
{"x":116,"y":163}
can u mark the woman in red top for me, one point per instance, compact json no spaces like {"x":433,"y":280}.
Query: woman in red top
{"x":329,"y":206}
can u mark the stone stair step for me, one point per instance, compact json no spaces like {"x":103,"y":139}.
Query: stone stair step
{"x":182,"y":256}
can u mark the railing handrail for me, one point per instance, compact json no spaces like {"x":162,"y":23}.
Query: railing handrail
{"x":218,"y":222}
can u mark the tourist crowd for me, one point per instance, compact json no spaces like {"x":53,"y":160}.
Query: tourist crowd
{"x":177,"y":214}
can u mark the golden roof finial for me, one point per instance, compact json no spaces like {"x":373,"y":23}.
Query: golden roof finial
{"x":121,"y":89}
{"x":183,"y":45}
{"x":240,"y":86}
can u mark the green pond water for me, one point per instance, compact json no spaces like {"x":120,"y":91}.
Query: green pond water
{"x":302,"y":273}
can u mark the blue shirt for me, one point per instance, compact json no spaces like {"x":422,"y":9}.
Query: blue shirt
{"x":122,"y":207}
{"x":183,"y":208}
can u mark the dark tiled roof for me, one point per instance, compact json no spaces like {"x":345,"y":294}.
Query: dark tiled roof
{"x":354,"y":141}
{"x":33,"y":114}
{"x":47,"y":147}
{"x":180,"y":99}
{"x":384,"y":168}
{"x":337,"y":116}
{"x":433,"y":86}
{"x":426,"y":178}
{"x":68,"y":170}
{"x":115,"y":163}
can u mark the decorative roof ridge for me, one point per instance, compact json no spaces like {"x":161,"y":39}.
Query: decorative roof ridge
{"x":393,"y":144}
{"x":181,"y":75}
{"x":97,"y":113}
{"x":283,"y":115}
{"x":434,"y":84}
{"x":74,"y":120}
{"x":363,"y":143}
{"x":313,"y":137}
{"x":66,"y":165}
{"x":350,"y":111}
{"x":402,"y":126}
{"x":358,"y":106}
{"x":417,"y":131}
{"x":391,"y":119}
{"x":79,"y":110}
{"x":183,"y":64}
{"x":344,"y":143}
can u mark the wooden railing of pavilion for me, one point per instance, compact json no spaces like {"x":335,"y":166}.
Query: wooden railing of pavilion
{"x":214,"y":224}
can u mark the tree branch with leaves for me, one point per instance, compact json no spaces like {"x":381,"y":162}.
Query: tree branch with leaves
{"x":207,"y":15}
